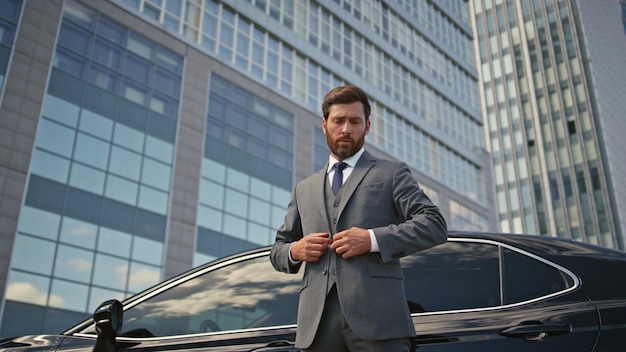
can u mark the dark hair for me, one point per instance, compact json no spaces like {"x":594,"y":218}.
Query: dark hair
{"x":346,"y":95}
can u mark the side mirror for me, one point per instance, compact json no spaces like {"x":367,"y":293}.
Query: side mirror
{"x":108,"y":318}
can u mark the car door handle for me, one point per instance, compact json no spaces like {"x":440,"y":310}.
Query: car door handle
{"x":536,"y":331}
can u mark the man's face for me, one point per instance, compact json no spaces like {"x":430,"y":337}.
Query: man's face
{"x":345,"y":129}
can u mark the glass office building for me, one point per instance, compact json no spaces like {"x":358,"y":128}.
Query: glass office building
{"x":139,"y":138}
{"x":552,"y":80}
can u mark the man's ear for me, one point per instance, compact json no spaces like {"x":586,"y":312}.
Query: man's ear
{"x":367,"y":126}
{"x":324,"y":125}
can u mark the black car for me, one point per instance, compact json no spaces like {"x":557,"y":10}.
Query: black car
{"x":477,"y":292}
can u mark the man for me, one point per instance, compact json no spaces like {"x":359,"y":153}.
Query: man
{"x":352,"y":296}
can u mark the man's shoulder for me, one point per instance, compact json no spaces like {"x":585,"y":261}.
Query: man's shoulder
{"x":380,"y":161}
{"x":312,"y":178}
{"x":389,"y":164}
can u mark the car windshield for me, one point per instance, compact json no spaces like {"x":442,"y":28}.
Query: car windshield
{"x":244,"y":295}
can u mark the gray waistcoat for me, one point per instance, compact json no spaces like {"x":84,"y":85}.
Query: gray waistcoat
{"x":332,"y":208}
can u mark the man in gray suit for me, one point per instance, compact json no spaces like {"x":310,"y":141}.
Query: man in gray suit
{"x":351,"y":223}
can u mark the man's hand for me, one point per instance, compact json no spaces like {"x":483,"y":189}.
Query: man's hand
{"x":351,"y":242}
{"x":310,"y":248}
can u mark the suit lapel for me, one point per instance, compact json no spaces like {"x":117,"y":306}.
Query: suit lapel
{"x":362,"y":167}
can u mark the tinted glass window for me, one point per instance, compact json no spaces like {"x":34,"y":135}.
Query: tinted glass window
{"x":454,"y":275}
{"x":248,"y":294}
{"x":526,"y":278}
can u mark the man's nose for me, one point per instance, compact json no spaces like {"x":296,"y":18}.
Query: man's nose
{"x":346,"y":128}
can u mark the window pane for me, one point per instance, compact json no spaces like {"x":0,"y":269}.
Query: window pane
{"x":78,"y":233}
{"x":95,"y":124}
{"x":134,"y":92}
{"x":33,"y":254}
{"x":114,"y":242}
{"x":235,"y":226}
{"x":103,"y":78}
{"x":128,"y":137}
{"x":70,"y":295}
{"x":70,"y":63}
{"x":110,"y":30}
{"x":74,"y":38}
{"x":140,"y":46}
{"x":87,"y":178}
{"x":107,"y":54}
{"x":260,"y":211}
{"x":110,"y":272}
{"x":260,"y":188}
{"x":60,"y":110}
{"x":146,"y":250}
{"x":458,"y":276}
{"x":259,"y":234}
{"x":120,"y":189}
{"x":38,"y":222}
{"x":213,"y":170}
{"x":91,"y":151}
{"x":31,"y":289}
{"x":527,"y":278}
{"x":156,"y":174}
{"x":213,"y":296}
{"x":125,"y":163}
{"x":142,"y":276}
{"x":237,"y":180}
{"x":280,"y":196}
{"x":55,"y":138}
{"x":167,"y":83}
{"x":137,"y":69}
{"x":159,"y":149}
{"x":236,"y":202}
{"x":50,"y":166}
{"x":73,"y":263}
{"x":153,"y":200}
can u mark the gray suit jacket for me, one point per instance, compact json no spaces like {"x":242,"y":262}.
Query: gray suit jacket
{"x":381,"y":195}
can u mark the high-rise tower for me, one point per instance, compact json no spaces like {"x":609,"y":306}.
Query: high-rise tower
{"x":552,"y":81}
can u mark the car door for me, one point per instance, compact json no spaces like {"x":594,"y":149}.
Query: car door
{"x":242,"y":304}
{"x":480,"y":295}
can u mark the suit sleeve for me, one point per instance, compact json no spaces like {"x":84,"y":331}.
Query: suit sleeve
{"x":289,"y":232}
{"x":423,"y":226}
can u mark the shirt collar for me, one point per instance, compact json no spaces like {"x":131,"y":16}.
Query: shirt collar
{"x":351,"y":161}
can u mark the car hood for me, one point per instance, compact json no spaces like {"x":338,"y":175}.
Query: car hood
{"x":32,"y":343}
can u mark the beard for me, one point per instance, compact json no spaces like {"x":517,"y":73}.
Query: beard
{"x":344,"y":150}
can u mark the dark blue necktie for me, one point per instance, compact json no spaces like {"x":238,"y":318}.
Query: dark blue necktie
{"x":338,"y":178}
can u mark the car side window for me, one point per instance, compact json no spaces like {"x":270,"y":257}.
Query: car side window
{"x":451,"y":276}
{"x":244,"y":295}
{"x":527,"y":278}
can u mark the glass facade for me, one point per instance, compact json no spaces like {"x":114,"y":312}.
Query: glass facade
{"x":94,"y":218}
{"x":246,"y":175}
{"x":420,"y":80}
{"x":541,"y":125}
{"x":168,"y":133}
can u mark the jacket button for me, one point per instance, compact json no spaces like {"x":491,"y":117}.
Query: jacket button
{"x":324,"y":272}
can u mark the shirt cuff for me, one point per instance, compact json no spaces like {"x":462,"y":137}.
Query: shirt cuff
{"x":373,"y":239}
{"x":291,"y":261}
